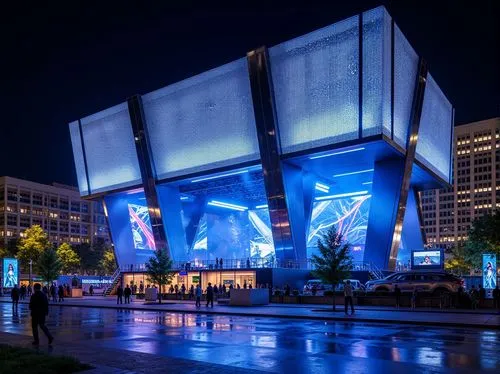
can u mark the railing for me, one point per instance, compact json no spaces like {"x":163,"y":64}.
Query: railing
{"x":114,"y":279}
{"x":260,"y":263}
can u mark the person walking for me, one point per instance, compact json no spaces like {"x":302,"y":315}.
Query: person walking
{"x":119,"y":295}
{"x":22,"y":292}
{"x":53,"y":293}
{"x":482,"y":295}
{"x":91,"y":290}
{"x":210,"y":295}
{"x":348,"y":292}
{"x":60,"y":293}
{"x":14,"y":295}
{"x":29,"y":290}
{"x":216,"y":262}
{"x":198,"y":295}
{"x":39,"y":306}
{"x":191,"y":292}
{"x":127,"y":292}
{"x":397,"y":293}
{"x":248,"y":263}
{"x":221,"y":264}
{"x":183,"y":291}
{"x":473,"y":297}
{"x":414,"y":298}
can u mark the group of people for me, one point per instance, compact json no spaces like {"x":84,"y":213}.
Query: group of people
{"x":20,"y":293}
{"x":57,"y":293}
{"x":123,"y":293}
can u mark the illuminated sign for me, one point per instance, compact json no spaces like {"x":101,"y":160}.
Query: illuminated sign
{"x":489,"y":271}
{"x":427,"y":259}
{"x":10,"y":272}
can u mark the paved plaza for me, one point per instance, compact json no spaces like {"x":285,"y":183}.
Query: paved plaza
{"x":128,"y":341}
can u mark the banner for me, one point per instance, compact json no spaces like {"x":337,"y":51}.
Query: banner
{"x":10,"y":272}
{"x":489,"y":271}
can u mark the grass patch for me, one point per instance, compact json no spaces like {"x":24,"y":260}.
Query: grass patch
{"x":27,"y":361}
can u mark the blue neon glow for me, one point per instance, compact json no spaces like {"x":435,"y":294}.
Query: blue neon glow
{"x":353,"y":173}
{"x":367,"y":183}
{"x":218,"y":176}
{"x":221,"y":204}
{"x":184,"y":198}
{"x":322,"y":187}
{"x":347,"y":194}
{"x":337,"y":153}
{"x":261,"y":206}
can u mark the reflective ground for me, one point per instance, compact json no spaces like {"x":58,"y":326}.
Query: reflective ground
{"x":272,"y":344}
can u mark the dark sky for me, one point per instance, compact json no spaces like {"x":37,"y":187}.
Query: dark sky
{"x":65,"y":61}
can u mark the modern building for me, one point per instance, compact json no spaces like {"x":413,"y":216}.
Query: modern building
{"x":253,"y":161}
{"x":448,"y":213}
{"x":57,"y":208}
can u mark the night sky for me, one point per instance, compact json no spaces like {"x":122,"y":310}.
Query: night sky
{"x":66,"y":61}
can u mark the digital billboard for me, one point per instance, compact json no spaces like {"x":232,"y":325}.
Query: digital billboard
{"x":348,"y":215}
{"x":10,"y":272}
{"x":489,"y":271}
{"x":427,"y":259}
{"x":141,"y":227}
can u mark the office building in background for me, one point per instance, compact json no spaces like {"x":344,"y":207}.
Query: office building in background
{"x":57,"y":208}
{"x":448,"y":213}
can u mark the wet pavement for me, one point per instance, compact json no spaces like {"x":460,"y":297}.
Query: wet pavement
{"x":224,"y":343}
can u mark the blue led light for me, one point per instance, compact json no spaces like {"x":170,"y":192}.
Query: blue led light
{"x":322,"y":188}
{"x":367,"y":183}
{"x":347,"y":194}
{"x":221,"y":204}
{"x":337,"y":153}
{"x":352,"y":173}
{"x":218,"y":176}
{"x":261,"y":206}
{"x":184,"y":198}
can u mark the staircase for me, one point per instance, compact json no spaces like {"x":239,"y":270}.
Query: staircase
{"x":375,"y":272}
{"x":115,"y":280}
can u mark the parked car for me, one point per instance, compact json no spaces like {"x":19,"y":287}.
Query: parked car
{"x":427,"y":281}
{"x":318,"y":284}
{"x":355,"y":283}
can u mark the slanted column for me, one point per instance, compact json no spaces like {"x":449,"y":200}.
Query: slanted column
{"x":147,"y":171}
{"x":287,"y":224}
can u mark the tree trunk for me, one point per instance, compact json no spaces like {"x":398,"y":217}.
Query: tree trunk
{"x":333,"y":287}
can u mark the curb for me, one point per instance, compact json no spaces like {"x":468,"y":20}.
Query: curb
{"x":287,"y":316}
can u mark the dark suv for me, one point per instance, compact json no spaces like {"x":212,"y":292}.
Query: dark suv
{"x":433,"y":282}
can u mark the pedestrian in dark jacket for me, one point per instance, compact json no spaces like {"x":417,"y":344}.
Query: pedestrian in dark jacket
{"x":127,"y":292}
{"x":119,"y":295}
{"x":210,"y":295}
{"x":14,"y":295}
{"x":60,"y":293}
{"x":39,"y":306}
{"x":53,"y":292}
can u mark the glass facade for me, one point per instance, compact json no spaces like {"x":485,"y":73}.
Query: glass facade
{"x":202,"y":123}
{"x":212,"y":188}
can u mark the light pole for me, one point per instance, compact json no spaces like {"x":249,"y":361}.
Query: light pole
{"x":31,"y":264}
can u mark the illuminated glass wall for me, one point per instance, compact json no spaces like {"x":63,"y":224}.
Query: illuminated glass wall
{"x":203,"y":122}
{"x":221,"y":215}
{"x":435,"y":133}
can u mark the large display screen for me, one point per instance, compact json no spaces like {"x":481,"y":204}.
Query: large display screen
{"x":233,"y":235}
{"x":427,"y":259}
{"x":348,"y":215}
{"x":141,"y":227}
{"x":10,"y":272}
{"x":489,"y":271}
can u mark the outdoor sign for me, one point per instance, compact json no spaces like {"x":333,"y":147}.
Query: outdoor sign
{"x":195,"y":279}
{"x":427,"y":259}
{"x":10,"y":272}
{"x":489,"y":271}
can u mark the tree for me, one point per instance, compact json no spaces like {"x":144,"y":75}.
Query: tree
{"x":483,"y":237}
{"x":107,"y":265}
{"x":10,"y":250}
{"x":49,"y":266}
{"x":32,"y":245}
{"x":457,"y":262}
{"x":91,"y":255}
{"x":159,"y":270}
{"x":68,"y":257}
{"x":334,"y":262}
